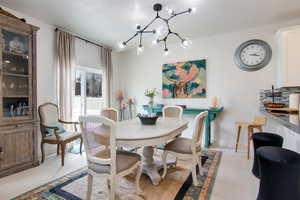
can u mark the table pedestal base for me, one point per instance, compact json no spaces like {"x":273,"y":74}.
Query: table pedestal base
{"x":152,"y":167}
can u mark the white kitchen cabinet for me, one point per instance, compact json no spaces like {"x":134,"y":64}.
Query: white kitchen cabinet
{"x":289,"y":57}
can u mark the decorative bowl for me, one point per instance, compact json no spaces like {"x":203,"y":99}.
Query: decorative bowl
{"x":148,"y":120}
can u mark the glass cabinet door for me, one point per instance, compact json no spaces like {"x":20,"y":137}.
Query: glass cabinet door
{"x":16,"y":75}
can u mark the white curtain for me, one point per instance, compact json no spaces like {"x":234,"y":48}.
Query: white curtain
{"x":66,"y":60}
{"x":106,"y":63}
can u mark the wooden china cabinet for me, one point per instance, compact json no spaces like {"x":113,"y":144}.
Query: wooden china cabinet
{"x":18,"y":115}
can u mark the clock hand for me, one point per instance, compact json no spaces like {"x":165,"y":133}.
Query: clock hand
{"x":253,"y":54}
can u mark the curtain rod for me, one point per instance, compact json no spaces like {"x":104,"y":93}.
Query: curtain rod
{"x":56,"y":29}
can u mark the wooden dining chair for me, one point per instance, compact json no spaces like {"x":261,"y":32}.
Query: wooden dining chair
{"x":257,"y":123}
{"x":171,"y":112}
{"x":188,"y":148}
{"x":102,"y":155}
{"x":110,"y":113}
{"x":53,"y":131}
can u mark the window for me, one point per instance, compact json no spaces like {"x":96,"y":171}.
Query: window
{"x":88,"y":95}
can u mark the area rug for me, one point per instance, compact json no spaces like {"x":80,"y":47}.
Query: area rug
{"x":176,"y":186}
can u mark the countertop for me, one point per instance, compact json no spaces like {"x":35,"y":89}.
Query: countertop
{"x":290,"y":121}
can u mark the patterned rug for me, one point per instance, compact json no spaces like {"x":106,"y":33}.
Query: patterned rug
{"x":176,"y":186}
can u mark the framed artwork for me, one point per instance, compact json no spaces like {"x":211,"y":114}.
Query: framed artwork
{"x":184,"y":79}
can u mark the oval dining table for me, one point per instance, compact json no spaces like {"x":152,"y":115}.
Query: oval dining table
{"x":132,"y":134}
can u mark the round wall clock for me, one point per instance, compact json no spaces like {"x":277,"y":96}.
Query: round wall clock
{"x":253,"y":55}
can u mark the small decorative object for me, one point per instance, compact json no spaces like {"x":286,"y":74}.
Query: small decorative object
{"x":12,"y":114}
{"x":24,"y":108}
{"x":151,"y":93}
{"x":214,"y":102}
{"x":19,"y":109}
{"x":184,"y":79}
{"x":12,"y":86}
{"x":130,"y":104}
{"x":148,"y":119}
{"x":160,"y":105}
{"x":120,"y":97}
{"x":162,"y":33}
{"x":182,"y":106}
{"x":253,"y":55}
{"x":16,"y":45}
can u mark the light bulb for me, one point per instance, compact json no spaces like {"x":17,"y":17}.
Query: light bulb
{"x":160,"y":31}
{"x":140,"y":49}
{"x":122,"y":45}
{"x":155,"y":42}
{"x":166,"y":52}
{"x":192,"y":10}
{"x":170,"y":11}
{"x":186,"y":43}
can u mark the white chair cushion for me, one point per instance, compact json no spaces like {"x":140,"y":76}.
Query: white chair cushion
{"x":124,"y":161}
{"x":180,"y":145}
{"x":63,"y":136}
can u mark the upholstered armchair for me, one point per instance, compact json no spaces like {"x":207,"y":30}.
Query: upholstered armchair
{"x":53,"y":131}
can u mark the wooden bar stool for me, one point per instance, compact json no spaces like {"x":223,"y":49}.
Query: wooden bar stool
{"x":257,"y":123}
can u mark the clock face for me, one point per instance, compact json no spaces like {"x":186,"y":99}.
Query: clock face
{"x":253,"y":55}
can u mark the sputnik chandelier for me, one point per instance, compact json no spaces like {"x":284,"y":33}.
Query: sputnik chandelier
{"x":161,"y":33}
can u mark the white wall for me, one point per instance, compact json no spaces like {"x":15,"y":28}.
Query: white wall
{"x":238,"y":90}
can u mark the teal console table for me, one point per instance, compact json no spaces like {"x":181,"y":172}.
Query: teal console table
{"x":212,"y":114}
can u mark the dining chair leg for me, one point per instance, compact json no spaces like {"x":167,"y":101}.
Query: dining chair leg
{"x":164,"y":160}
{"x":43,"y":151}
{"x":63,"y":147}
{"x":112,"y":191}
{"x":57,"y":149}
{"x":90,"y":186}
{"x":81,"y":141}
{"x":238,"y":138}
{"x":194,"y":173}
{"x":249,"y":140}
{"x":137,"y":179}
{"x":201,"y":171}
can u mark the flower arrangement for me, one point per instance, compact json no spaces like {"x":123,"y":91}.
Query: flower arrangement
{"x":151,"y":93}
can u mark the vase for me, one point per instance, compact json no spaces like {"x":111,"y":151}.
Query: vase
{"x":151,"y":102}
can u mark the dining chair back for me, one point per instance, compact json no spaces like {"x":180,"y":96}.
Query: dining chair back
{"x":110,"y":113}
{"x":198,"y":130}
{"x":100,"y":149}
{"x":48,"y":114}
{"x":173,"y":111}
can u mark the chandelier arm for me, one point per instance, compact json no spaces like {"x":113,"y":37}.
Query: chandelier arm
{"x":150,"y":23}
{"x":148,"y":31}
{"x":177,"y":35}
{"x":180,"y":13}
{"x":131,"y":38}
{"x":165,"y":42}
